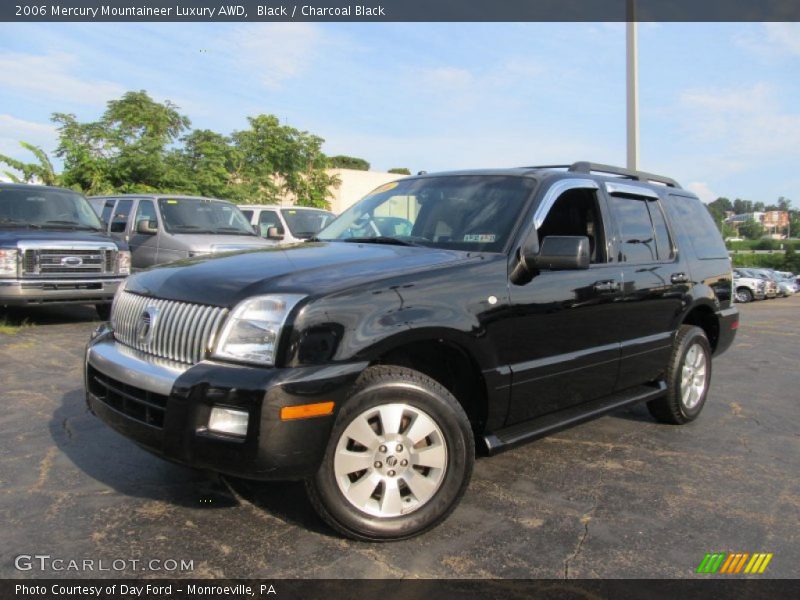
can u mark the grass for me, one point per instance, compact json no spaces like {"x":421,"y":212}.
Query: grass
{"x":11,"y":328}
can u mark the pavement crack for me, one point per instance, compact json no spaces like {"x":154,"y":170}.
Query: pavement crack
{"x":587,"y":518}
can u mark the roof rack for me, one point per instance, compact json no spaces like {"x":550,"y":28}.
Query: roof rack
{"x":590,"y":167}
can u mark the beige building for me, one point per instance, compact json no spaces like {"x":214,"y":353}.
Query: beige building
{"x":355,"y":185}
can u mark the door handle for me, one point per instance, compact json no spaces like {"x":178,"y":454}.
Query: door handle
{"x":679,"y":278}
{"x":606,"y":286}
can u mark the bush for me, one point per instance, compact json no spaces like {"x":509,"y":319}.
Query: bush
{"x":400,"y":171}
{"x":768,"y":261}
{"x":348,"y":162}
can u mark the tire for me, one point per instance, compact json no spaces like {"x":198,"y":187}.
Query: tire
{"x":743,"y":295}
{"x":415,"y":486}
{"x":103,"y":311}
{"x":691,"y":358}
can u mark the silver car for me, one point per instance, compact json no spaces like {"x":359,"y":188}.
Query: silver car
{"x":165,"y":228}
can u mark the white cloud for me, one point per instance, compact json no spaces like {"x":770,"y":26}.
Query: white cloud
{"x":703,"y":191}
{"x":784,"y":37}
{"x":49,"y":76}
{"x":275,"y":52}
{"x":14,"y":130}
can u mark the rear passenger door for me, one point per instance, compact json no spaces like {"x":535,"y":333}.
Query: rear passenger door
{"x":654,"y":277}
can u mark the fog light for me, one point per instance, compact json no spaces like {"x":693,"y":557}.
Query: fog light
{"x":228,"y":421}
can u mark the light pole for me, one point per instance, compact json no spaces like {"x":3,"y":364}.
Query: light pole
{"x":632,"y":85}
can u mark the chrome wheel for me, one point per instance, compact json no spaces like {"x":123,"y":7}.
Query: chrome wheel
{"x":390,"y":460}
{"x":693,"y":376}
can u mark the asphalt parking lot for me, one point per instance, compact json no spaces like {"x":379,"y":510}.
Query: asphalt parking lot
{"x":622,"y":496}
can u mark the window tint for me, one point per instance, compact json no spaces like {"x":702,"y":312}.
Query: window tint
{"x":267,"y":219}
{"x":248,"y":214}
{"x":576,"y":212}
{"x":146,"y":212}
{"x":108,"y":207}
{"x":694,"y":220}
{"x":663,"y":242}
{"x":121,"y":214}
{"x":637,"y":239}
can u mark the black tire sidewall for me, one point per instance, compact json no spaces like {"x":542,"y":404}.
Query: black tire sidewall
{"x":460,"y":457}
{"x":747,"y":295}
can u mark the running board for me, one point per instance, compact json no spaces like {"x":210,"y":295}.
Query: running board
{"x":510,"y":437}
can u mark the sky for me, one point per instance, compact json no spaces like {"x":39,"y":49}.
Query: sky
{"x":719,"y":103}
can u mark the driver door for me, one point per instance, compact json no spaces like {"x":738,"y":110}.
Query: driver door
{"x":564,"y":339}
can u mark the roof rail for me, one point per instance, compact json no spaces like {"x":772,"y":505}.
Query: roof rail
{"x":590,"y":167}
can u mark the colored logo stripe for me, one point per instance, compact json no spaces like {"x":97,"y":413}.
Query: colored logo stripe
{"x":721,"y":562}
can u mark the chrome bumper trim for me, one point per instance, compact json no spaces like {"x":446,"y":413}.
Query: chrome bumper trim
{"x":132,"y":367}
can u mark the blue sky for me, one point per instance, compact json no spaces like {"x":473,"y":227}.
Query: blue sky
{"x":720,"y":103}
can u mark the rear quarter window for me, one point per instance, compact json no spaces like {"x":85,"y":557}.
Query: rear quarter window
{"x":692,"y":218}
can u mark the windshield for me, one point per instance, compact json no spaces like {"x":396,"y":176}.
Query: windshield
{"x":306,"y":223}
{"x":46,"y":209}
{"x":201,"y":215}
{"x":463,"y":212}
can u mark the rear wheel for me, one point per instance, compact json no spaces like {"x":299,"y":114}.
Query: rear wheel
{"x":103,"y":311}
{"x":744,"y":295}
{"x":399,"y":459}
{"x":688,"y":378}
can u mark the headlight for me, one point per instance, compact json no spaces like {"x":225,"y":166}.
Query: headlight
{"x":253,"y":329}
{"x":123,"y":262}
{"x":8,"y":262}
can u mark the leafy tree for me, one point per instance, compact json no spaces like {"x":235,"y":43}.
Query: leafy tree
{"x":728,"y":231}
{"x":348,"y":162}
{"x":400,"y":171}
{"x":202,"y":166}
{"x":752,"y":230}
{"x":38,"y":172}
{"x":741,"y":207}
{"x":791,"y":259}
{"x":759,"y":207}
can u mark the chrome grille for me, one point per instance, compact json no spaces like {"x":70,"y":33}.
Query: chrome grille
{"x":181,"y":332}
{"x":68,"y":262}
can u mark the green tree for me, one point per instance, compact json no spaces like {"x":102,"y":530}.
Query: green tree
{"x":126,"y":150}
{"x":752,"y":230}
{"x":400,"y":171}
{"x":791,"y":259}
{"x":271,"y":161}
{"x":39,"y":172}
{"x":202,"y":166}
{"x":741,"y":207}
{"x":348,"y":162}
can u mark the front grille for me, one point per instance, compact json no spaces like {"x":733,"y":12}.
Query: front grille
{"x":65,"y":262}
{"x":138,"y":404}
{"x":179,"y":331}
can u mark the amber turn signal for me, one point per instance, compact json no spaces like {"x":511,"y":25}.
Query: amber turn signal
{"x":304,"y":411}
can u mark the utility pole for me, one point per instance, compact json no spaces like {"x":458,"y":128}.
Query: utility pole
{"x":632,"y":85}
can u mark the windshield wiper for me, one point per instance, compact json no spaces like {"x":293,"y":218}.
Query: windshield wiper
{"x":380,"y":239}
{"x":190,"y":228}
{"x":234,"y":230}
{"x":17,"y":223}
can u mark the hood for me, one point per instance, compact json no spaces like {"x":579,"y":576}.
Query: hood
{"x":308,"y":268}
{"x":215,"y":243}
{"x":10,"y":237}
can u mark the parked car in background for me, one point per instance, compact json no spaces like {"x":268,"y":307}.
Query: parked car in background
{"x":785,"y":288}
{"x":53,"y":250}
{"x":771,"y":286}
{"x":522,"y":301}
{"x":789,"y":278}
{"x":748,"y":288}
{"x":165,"y":228}
{"x":286,"y":224}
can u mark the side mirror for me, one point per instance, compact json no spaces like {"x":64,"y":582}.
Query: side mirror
{"x":560,"y":252}
{"x":255,"y":229}
{"x":273,"y":233}
{"x":147,"y":227}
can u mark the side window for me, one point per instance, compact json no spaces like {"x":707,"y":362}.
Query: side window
{"x":108,"y":209}
{"x":146,"y":211}
{"x":663,"y":241}
{"x":248,"y":215}
{"x":577,"y":212}
{"x":637,"y":243}
{"x":121,"y":214}
{"x":695,"y":222}
{"x":267,"y":219}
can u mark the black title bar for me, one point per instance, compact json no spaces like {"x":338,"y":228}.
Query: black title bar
{"x":399,"y":10}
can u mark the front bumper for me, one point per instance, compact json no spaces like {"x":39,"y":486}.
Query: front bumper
{"x":165,"y":407}
{"x":58,"y":291}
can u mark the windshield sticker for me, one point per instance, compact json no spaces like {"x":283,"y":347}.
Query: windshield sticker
{"x":384,"y":188}
{"x":481,"y":238}
{"x":172,"y":201}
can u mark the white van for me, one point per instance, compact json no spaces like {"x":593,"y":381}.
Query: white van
{"x":286,"y":224}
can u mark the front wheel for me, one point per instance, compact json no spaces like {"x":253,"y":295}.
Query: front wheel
{"x":744,"y":295}
{"x":399,"y":459}
{"x":688,"y":378}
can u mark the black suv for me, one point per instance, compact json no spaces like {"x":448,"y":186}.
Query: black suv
{"x":521,"y":301}
{"x":53,"y":250}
